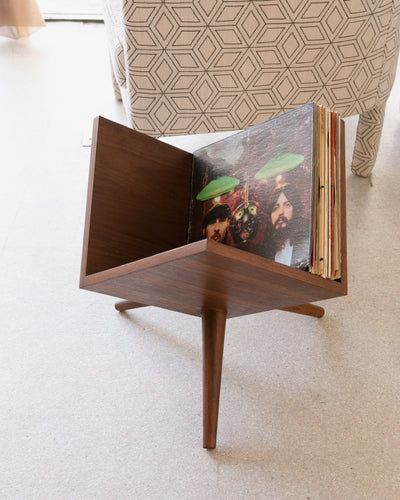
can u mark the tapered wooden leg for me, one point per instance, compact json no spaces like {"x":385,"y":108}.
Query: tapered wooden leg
{"x":306,"y":309}
{"x":213,"y":348}
{"x":125,"y":305}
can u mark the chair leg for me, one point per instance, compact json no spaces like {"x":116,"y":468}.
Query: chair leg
{"x":369,"y":132}
{"x":213,"y":346}
{"x":117,"y":90}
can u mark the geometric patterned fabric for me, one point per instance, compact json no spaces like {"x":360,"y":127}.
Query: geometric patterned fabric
{"x":369,"y":129}
{"x":199,"y":66}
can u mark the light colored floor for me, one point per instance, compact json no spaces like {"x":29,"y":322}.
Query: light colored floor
{"x":99,"y":405}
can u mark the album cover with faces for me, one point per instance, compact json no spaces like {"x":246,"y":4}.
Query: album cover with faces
{"x":254,"y":189}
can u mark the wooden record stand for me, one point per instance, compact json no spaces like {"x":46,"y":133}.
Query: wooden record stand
{"x":135,"y":248}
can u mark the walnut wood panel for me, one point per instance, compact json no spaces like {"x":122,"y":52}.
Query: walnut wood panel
{"x":209,"y":275}
{"x":138,"y":197}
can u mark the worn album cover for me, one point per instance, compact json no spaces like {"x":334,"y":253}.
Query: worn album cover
{"x":254,"y":189}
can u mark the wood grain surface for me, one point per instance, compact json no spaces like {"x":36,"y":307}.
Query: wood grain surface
{"x":210,"y":275}
{"x":138,"y":197}
{"x":306,"y":310}
{"x":213,"y":327}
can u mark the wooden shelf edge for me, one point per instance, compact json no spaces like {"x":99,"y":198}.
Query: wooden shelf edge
{"x":219,"y":249}
{"x":275,"y":267}
{"x":146,"y":263}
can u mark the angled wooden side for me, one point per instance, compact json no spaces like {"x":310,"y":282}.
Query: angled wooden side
{"x":138,"y":197}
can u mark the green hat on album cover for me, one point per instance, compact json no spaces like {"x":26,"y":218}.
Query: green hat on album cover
{"x":279,"y":165}
{"x":217,"y":187}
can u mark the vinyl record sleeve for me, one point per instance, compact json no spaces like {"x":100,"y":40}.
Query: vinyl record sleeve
{"x":254,"y":190}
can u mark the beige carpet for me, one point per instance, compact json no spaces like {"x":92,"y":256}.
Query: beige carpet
{"x":100,"y":405}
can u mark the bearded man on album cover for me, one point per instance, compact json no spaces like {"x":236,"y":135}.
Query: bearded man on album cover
{"x":286,"y":239}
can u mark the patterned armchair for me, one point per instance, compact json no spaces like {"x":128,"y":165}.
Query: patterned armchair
{"x":210,"y":65}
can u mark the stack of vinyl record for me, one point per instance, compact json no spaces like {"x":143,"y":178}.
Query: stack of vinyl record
{"x":325,"y":258}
